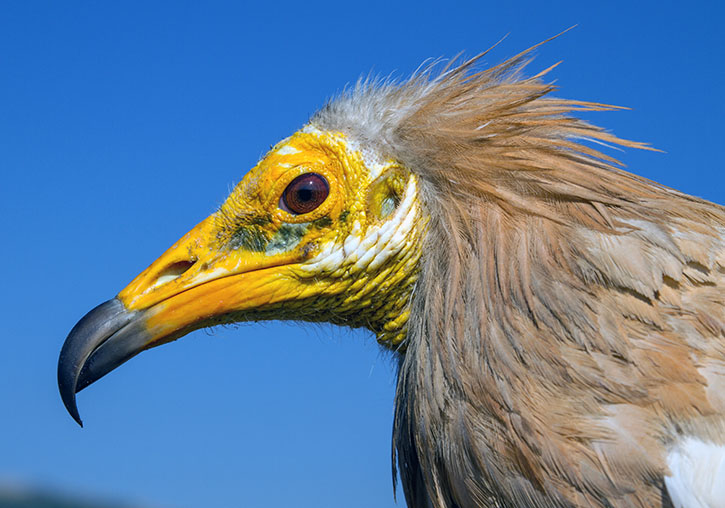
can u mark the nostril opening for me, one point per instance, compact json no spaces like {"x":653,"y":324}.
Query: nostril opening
{"x":173,"y":271}
{"x":177,"y":268}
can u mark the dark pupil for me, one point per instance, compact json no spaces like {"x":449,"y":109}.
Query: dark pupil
{"x":305,"y":193}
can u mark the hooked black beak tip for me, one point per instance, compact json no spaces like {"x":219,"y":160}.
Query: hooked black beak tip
{"x":83,"y":360}
{"x":67,"y":388}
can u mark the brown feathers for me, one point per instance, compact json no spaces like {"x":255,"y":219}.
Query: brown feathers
{"x":569,"y":321}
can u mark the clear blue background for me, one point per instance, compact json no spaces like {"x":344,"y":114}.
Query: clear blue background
{"x":124,"y":124}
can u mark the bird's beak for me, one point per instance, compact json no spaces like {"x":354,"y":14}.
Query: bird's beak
{"x":192,"y":285}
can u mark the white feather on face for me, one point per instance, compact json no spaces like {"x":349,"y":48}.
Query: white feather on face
{"x":379,"y":243}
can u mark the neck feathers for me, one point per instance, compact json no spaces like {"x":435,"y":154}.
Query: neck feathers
{"x":568,"y":319}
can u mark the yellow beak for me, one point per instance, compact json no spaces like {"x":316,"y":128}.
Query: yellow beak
{"x":192,"y":285}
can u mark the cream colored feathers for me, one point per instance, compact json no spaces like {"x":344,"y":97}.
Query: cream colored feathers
{"x":567,"y":332}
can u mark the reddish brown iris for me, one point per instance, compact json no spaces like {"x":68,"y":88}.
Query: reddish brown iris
{"x":304,"y":194}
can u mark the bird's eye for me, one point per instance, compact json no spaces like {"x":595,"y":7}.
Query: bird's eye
{"x":304,"y":194}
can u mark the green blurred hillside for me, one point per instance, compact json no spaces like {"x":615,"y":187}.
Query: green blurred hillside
{"x":30,"y":499}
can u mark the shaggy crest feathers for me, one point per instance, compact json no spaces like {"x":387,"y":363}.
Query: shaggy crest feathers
{"x":568,"y":326}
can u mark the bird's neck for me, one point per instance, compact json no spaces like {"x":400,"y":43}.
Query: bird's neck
{"x":383,"y":303}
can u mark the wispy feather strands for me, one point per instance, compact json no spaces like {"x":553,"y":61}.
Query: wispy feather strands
{"x":569,"y":322}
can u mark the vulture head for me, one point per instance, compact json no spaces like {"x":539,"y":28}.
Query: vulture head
{"x":559,"y":323}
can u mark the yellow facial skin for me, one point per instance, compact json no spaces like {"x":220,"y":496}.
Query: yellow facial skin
{"x":352,"y":261}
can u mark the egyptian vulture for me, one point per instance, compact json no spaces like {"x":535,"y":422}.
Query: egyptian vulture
{"x":559,"y":323}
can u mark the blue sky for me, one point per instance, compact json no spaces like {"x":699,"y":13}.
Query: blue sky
{"x":124,"y":124}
